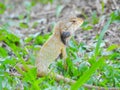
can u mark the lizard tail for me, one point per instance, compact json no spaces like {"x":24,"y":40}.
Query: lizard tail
{"x":59,"y":78}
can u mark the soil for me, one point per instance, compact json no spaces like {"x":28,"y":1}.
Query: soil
{"x":45,"y":16}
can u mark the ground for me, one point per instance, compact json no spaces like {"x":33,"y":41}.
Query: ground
{"x":25,"y":19}
{"x":46,"y":15}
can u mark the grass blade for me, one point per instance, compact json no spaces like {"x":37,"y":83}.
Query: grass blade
{"x":105,"y":28}
{"x":87,"y":74}
{"x":98,"y":62}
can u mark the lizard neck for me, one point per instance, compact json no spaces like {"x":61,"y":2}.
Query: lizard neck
{"x":59,"y":36}
{"x":57,"y":31}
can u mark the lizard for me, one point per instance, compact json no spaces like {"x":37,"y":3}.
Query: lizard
{"x":53,"y":47}
{"x":56,"y":44}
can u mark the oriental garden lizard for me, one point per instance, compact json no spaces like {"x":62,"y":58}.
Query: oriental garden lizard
{"x":55,"y":46}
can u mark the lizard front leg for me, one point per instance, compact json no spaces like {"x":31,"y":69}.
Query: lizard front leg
{"x":64,"y":55}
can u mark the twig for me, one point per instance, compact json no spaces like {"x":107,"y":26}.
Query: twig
{"x":58,"y":78}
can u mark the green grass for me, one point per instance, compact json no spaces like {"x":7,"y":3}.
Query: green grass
{"x":99,"y":61}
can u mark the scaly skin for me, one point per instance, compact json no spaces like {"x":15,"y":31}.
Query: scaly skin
{"x":54,"y":46}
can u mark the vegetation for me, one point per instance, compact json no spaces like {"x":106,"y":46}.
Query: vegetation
{"x":95,"y":65}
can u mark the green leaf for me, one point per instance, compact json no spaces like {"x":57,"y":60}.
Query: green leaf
{"x":83,"y":67}
{"x":58,"y":10}
{"x":112,"y":47}
{"x":35,"y":24}
{"x":30,"y":75}
{"x":85,"y":77}
{"x":105,"y":28}
{"x":3,"y":52}
{"x":51,"y":1}
{"x":41,"y":39}
{"x":23,"y":25}
{"x":87,"y":27}
{"x":95,"y":19}
{"x":21,"y":16}
{"x":103,"y":5}
{"x":43,"y":1}
{"x":28,"y":5}
{"x":0,"y":83}
{"x":2,"y":8}
{"x":85,"y":23}
{"x":115,"y":16}
{"x":8,"y":37}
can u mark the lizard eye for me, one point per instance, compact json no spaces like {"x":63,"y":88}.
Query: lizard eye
{"x":73,"y":21}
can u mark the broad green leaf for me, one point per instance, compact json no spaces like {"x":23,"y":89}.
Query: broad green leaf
{"x":95,"y":19}
{"x":88,"y":27}
{"x":105,"y":28}
{"x":112,"y":47}
{"x":2,"y":8}
{"x":59,"y":9}
{"x":87,"y":74}
{"x":115,"y":16}
{"x":23,"y":25}
{"x":103,"y":5}
{"x":0,"y":83}
{"x":3,"y":52}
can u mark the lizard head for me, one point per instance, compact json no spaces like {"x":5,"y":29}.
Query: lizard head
{"x":69,"y":27}
{"x":75,"y":23}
